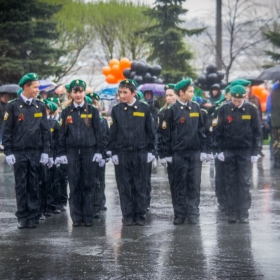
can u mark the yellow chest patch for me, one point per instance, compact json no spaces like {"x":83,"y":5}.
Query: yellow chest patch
{"x":38,"y":115}
{"x":246,"y":117}
{"x":195,"y":114}
{"x":138,"y":114}
{"x":83,"y":116}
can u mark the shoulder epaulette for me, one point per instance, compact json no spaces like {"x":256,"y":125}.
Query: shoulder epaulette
{"x":205,"y":111}
{"x":40,"y":101}
{"x":144,"y":102}
{"x":252,"y":104}
{"x":195,"y":103}
{"x":13,"y":100}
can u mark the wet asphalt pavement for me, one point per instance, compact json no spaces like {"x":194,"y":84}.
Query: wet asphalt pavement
{"x":212,"y":249}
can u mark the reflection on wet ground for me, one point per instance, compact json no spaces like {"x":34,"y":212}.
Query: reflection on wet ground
{"x":213,"y":249}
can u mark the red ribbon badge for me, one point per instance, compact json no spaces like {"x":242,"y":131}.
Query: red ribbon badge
{"x":69,"y":119}
{"x":229,"y":118}
{"x":182,"y":120}
{"x":20,"y":117}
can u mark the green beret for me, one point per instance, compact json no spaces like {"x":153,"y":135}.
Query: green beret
{"x":54,"y":99}
{"x":139,"y":95}
{"x":241,"y":82}
{"x":28,"y":78}
{"x":222,"y":99}
{"x":93,"y":95}
{"x":19,"y":91}
{"x":129,"y":82}
{"x":169,"y":86}
{"x":77,"y":83}
{"x":238,"y":91}
{"x":88,"y":99}
{"x":51,"y":105}
{"x":227,"y":89}
{"x":184,"y":83}
{"x":67,"y":87}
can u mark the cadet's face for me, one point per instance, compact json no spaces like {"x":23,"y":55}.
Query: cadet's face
{"x":228,"y":96}
{"x":78,"y":96}
{"x":126,"y":96}
{"x":187,"y":95}
{"x":237,"y":101}
{"x":170,"y":96}
{"x":32,"y":90}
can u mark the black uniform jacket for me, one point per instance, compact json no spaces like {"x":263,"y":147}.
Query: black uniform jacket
{"x":131,"y":129}
{"x":54,"y":130}
{"x":25,"y":127}
{"x":185,"y":130}
{"x":74,"y":133}
{"x":238,"y":128}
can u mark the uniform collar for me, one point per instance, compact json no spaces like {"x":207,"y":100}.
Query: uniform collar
{"x":184,"y":105}
{"x":26,"y":99}
{"x":134,"y":105}
{"x":78,"y":105}
{"x":132,"y":102}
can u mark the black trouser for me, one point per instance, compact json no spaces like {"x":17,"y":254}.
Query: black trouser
{"x":149,"y":183}
{"x":82,"y":182}
{"x":132,"y":174}
{"x":99,"y":194}
{"x":26,"y":171}
{"x":237,"y":179}
{"x":62,"y":171}
{"x":55,"y":192}
{"x":170,"y":179}
{"x":220,"y":183}
{"x":186,"y":182}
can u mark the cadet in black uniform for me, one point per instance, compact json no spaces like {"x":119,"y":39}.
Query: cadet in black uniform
{"x":171,"y":98}
{"x":185,"y":147}
{"x":238,"y":138}
{"x":81,"y":141}
{"x":26,"y":140}
{"x":131,"y":142}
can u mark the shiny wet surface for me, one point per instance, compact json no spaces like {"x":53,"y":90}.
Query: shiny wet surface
{"x":212,"y":249}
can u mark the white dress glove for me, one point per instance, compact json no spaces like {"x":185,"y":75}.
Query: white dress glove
{"x":203,"y":156}
{"x":50,"y":163}
{"x":254,"y":159}
{"x":44,"y":159}
{"x":109,"y":153}
{"x":150,"y":157}
{"x":11,"y":160}
{"x":97,"y":157}
{"x":115,"y":159}
{"x":163,"y":162}
{"x":102,"y":162}
{"x":169,"y":159}
{"x":221,"y":156}
{"x":57,"y":161}
{"x":210,"y":157}
{"x":63,"y":160}
{"x":154,"y":163}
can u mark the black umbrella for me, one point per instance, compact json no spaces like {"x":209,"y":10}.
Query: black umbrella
{"x":254,"y":81}
{"x":272,"y":73}
{"x":12,"y":88}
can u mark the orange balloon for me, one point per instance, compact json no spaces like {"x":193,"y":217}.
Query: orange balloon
{"x":115,"y":70}
{"x":264,"y":96}
{"x":125,"y":63}
{"x":257,"y":90}
{"x":113,"y":62}
{"x":110,"y":79}
{"x":106,"y":70}
{"x":263,"y":105}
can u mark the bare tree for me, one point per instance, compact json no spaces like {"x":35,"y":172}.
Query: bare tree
{"x":242,"y":31}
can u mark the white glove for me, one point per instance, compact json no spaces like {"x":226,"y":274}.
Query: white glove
{"x":154,"y":163}
{"x":57,"y":161}
{"x":50,"y":163}
{"x":97,"y":157}
{"x":44,"y":159}
{"x":109,"y":153}
{"x":254,"y":159}
{"x":11,"y":160}
{"x":63,"y":160}
{"x":169,"y":159}
{"x":203,"y":156}
{"x":163,"y":162}
{"x":102,"y":162}
{"x":221,"y":156}
{"x":215,"y":155}
{"x":115,"y":159}
{"x":107,"y":159}
{"x":150,"y":157}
